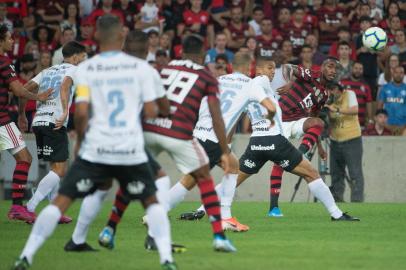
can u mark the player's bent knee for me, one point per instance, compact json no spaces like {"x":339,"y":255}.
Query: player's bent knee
{"x":188,"y":182}
{"x":23,"y":156}
{"x":201,"y":174}
{"x":146,"y":202}
{"x":313,"y":122}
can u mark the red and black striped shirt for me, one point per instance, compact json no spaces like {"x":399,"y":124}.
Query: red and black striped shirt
{"x":8,"y":75}
{"x":306,"y":96}
{"x":186,"y":84}
{"x":363,"y":93}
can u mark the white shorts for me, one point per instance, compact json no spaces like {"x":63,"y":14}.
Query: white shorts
{"x":11,"y":139}
{"x":189,"y":155}
{"x":293,"y":129}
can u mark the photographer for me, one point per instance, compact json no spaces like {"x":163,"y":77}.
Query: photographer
{"x":346,"y":144}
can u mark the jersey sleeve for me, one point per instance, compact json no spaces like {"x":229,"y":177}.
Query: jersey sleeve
{"x":8,"y":73}
{"x":159,"y":87}
{"x":352,"y":99}
{"x":304,"y":74}
{"x":82,"y":86}
{"x":147,"y":83}
{"x":71,"y":72}
{"x":37,"y":79}
{"x":256,"y":91}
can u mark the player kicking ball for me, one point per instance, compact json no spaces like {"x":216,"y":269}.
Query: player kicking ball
{"x":236,"y":92}
{"x":11,"y":138}
{"x":50,"y":121}
{"x":267,"y":143}
{"x":106,"y":151}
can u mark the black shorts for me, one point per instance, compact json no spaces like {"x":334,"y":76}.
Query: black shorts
{"x":84,"y":177}
{"x":269,"y":148}
{"x":52,"y":145}
{"x":213,"y":151}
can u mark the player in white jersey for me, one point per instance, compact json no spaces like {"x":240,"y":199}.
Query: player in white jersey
{"x":51,"y":118}
{"x":236,"y":92}
{"x":267,"y":143}
{"x":113,"y":86}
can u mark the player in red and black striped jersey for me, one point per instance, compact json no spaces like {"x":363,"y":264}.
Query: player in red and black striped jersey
{"x":301,"y":99}
{"x":10,"y":137}
{"x":363,"y":92}
{"x":187,"y":83}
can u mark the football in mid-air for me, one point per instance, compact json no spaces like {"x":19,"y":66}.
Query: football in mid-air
{"x":375,"y":38}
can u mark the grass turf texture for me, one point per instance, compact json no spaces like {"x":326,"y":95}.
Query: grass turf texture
{"x":304,"y":239}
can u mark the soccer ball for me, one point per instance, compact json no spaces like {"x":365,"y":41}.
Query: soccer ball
{"x":375,"y":38}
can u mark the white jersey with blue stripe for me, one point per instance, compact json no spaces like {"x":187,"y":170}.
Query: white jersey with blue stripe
{"x":50,"y":110}
{"x":261,"y":125}
{"x":236,"y":92}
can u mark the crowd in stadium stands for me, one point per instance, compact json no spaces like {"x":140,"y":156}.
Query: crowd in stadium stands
{"x":301,"y":32}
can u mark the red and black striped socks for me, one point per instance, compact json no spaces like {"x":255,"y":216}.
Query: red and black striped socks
{"x":310,"y":138}
{"x":19,"y":182}
{"x":275,"y":182}
{"x":211,"y":203}
{"x":120,"y":205}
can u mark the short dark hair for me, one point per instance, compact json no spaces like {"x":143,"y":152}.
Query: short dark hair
{"x":222,"y":56}
{"x":192,"y":45}
{"x":343,"y":43}
{"x":261,"y":59}
{"x":108,"y":26}
{"x":71,"y":48}
{"x":343,"y":28}
{"x":3,"y":32}
{"x":136,"y":43}
{"x":306,"y":46}
{"x":381,"y":111}
{"x":67,"y":28}
{"x":257,"y":8}
{"x":365,"y":19}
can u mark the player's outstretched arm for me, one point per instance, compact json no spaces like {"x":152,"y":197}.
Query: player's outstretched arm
{"x":65,"y":91}
{"x":32,"y":87}
{"x":20,"y":91}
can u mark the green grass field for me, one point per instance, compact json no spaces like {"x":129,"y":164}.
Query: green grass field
{"x":304,"y":239}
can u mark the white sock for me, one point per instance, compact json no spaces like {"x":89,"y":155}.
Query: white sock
{"x":44,"y":226}
{"x":228,"y":183}
{"x":91,"y":206}
{"x":51,"y":196}
{"x":45,"y":186}
{"x":159,"y":224}
{"x":219,"y":191}
{"x":321,"y":191}
{"x":176,"y":194}
{"x":163,"y":185}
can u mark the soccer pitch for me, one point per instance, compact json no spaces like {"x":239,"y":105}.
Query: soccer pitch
{"x":304,"y":239}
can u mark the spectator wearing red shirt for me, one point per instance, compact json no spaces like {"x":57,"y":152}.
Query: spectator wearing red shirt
{"x":128,"y":9}
{"x":51,"y":11}
{"x":105,"y":7}
{"x":45,"y":38}
{"x":237,"y":31}
{"x":284,"y":17}
{"x":330,"y":17}
{"x":362,"y":9}
{"x":86,"y":36}
{"x":20,"y":40}
{"x":394,"y":26}
{"x":298,"y":29}
{"x":16,"y":9}
{"x":313,"y":42}
{"x":361,"y":89}
{"x":306,"y":59}
{"x":344,"y":34}
{"x":391,"y":11}
{"x":379,"y":127}
{"x":172,"y":12}
{"x":270,"y":39}
{"x":197,"y":21}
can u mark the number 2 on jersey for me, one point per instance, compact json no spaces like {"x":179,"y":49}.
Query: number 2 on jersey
{"x":178,"y":84}
{"x":116,"y":99}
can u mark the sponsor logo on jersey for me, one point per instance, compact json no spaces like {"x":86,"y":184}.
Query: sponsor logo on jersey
{"x":41,"y":124}
{"x":284,"y":163}
{"x":44,"y":114}
{"x":160,"y":122}
{"x":84,"y":185}
{"x":263,"y":147}
{"x":135,"y":187}
{"x":249,"y":163}
{"x":112,"y":151}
